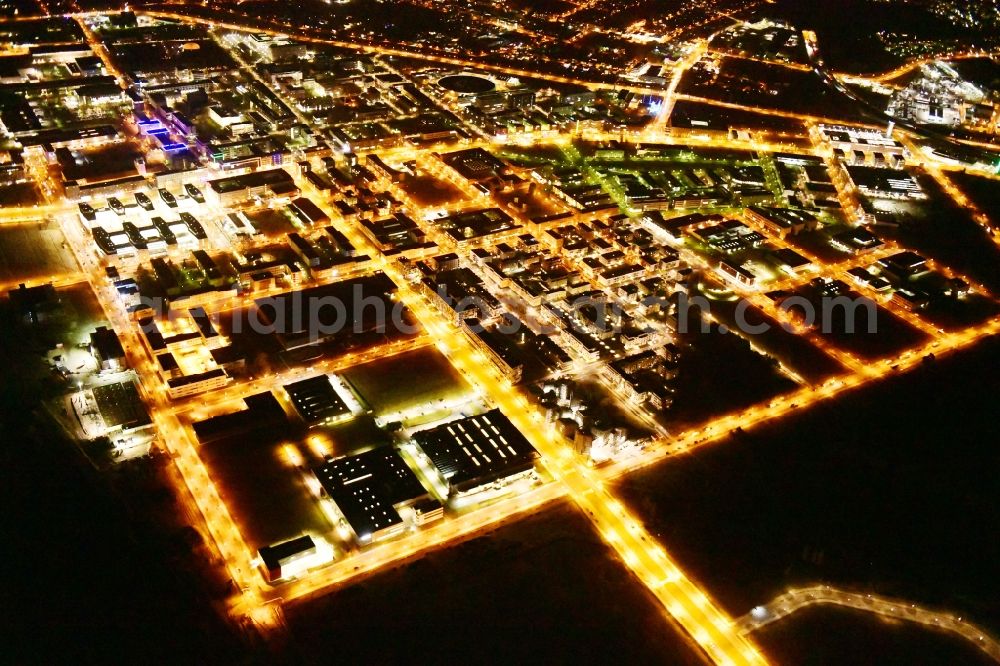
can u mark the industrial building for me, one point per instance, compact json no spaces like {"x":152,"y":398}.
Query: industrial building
{"x":371,"y":489}
{"x":316,"y":400}
{"x":878,"y":183}
{"x":107,"y":349}
{"x":263,"y":412}
{"x":340,"y":310}
{"x":121,"y":407}
{"x":475,"y":452}
{"x":783,"y":222}
{"x":265,"y":184}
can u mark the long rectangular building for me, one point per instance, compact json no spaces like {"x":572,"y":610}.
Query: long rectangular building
{"x":233,"y":189}
{"x":316,"y":400}
{"x":350,"y":308}
{"x":476,"y":451}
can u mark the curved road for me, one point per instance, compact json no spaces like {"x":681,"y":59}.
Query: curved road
{"x":832,"y":81}
{"x":799,"y":598}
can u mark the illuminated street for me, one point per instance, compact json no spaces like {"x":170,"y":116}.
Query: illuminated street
{"x":373,"y":295}
{"x":794,"y":600}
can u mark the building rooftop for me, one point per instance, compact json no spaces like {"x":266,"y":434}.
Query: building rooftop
{"x":477,"y":449}
{"x":904,"y":263}
{"x":277,"y":555}
{"x":885,"y":181}
{"x":316,"y":400}
{"x":791,"y":258}
{"x":271,"y":177}
{"x":120,"y":405}
{"x":28,"y":300}
{"x":105,"y":342}
{"x":475,"y":164}
{"x":312,"y":315}
{"x":262,"y":412}
{"x":367,"y":488}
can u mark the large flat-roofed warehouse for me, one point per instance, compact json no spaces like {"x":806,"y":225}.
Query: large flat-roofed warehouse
{"x":469,"y":224}
{"x":121,"y":407}
{"x":107,"y":349}
{"x":880,"y":183}
{"x":475,"y":164}
{"x":263,"y":414}
{"x":233,"y":189}
{"x":308,"y":213}
{"x":316,"y":400}
{"x":477,"y":450}
{"x":370,"y":489}
{"x":339,"y":310}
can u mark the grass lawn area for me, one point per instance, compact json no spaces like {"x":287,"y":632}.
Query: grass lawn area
{"x":407,"y":381}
